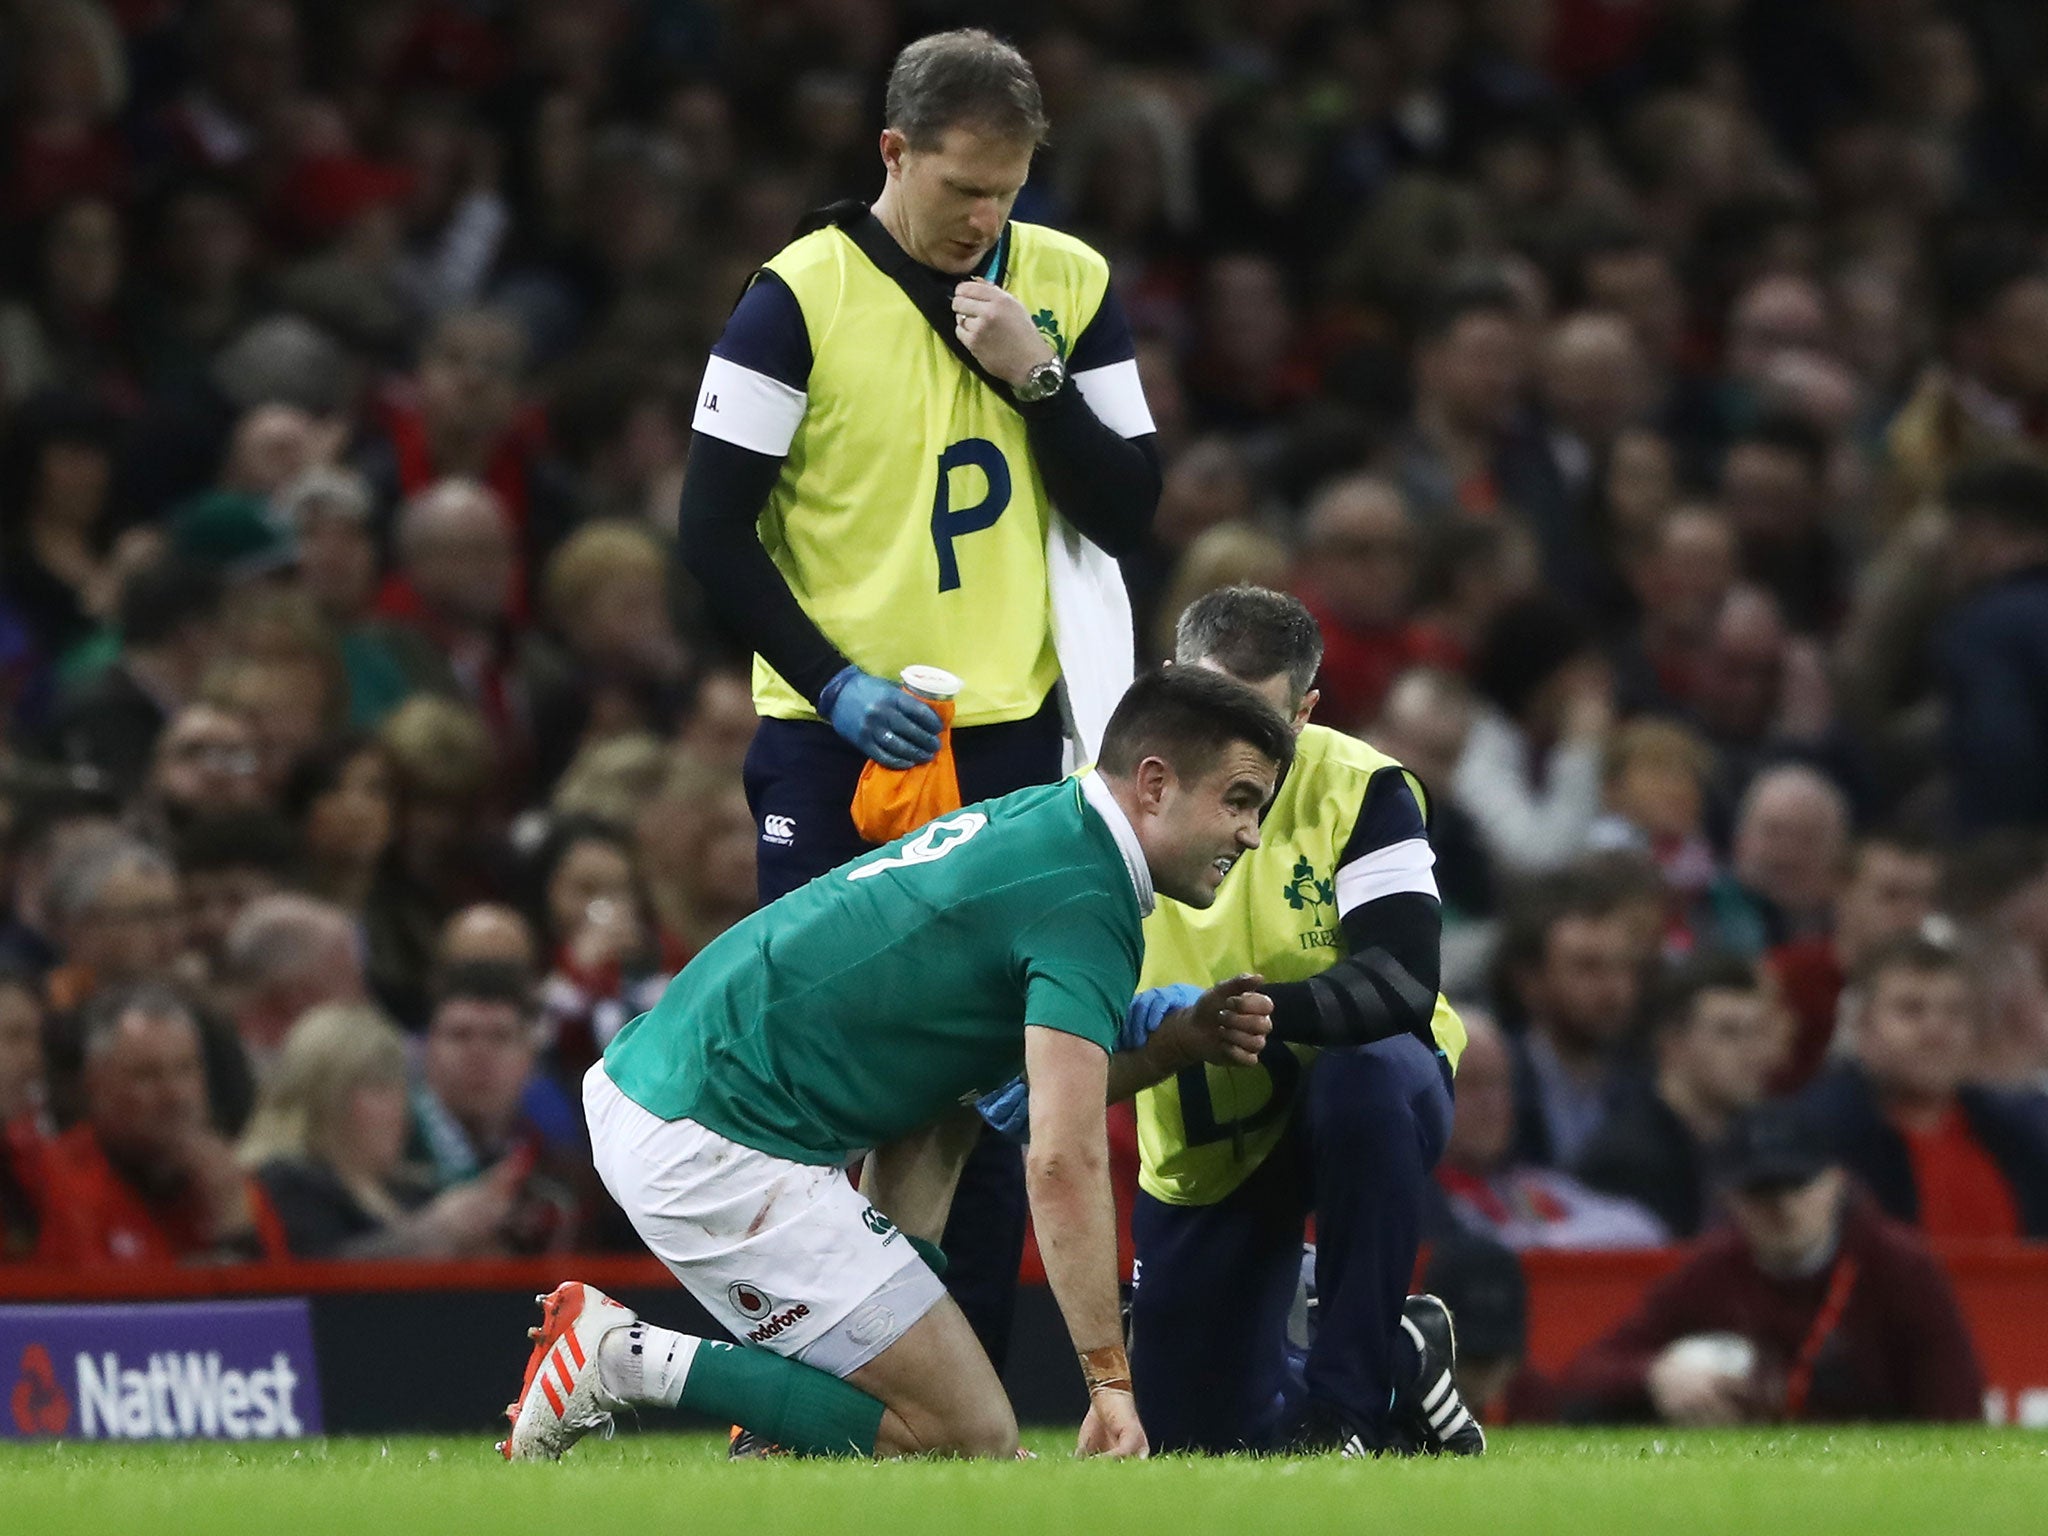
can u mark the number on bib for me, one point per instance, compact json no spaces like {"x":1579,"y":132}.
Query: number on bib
{"x":949,"y":523}
{"x":937,"y":840}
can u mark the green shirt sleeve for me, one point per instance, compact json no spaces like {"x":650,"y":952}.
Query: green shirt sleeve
{"x":1080,"y":967}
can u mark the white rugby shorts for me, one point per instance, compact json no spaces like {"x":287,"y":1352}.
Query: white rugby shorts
{"x":785,"y":1255}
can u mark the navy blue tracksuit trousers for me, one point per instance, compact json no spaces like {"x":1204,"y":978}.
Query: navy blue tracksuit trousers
{"x":1215,"y":1282}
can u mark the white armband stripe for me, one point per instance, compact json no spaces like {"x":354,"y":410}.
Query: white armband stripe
{"x":1397,"y":869}
{"x":737,"y":405}
{"x":1115,"y":395}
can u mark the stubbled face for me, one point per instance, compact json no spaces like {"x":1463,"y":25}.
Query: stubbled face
{"x":1918,"y":1032}
{"x":1729,"y":1050}
{"x":145,"y":1092}
{"x":479,"y":1056}
{"x":1199,"y":827}
{"x":1587,"y":984}
{"x":1891,"y":892}
{"x":955,"y":194}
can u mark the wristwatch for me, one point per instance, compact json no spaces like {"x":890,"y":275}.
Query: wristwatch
{"x":1042,"y":382}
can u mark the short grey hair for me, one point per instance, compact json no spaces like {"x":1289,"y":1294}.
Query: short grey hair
{"x":100,"y":1023}
{"x":1252,"y":633}
{"x":277,"y":937}
{"x":967,"y":78}
{"x":80,"y":876}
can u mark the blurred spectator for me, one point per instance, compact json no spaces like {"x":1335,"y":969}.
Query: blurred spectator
{"x":57,"y":464}
{"x":1791,"y":835}
{"x":1228,"y":555}
{"x":206,"y":764}
{"x":1888,"y":891}
{"x":1904,"y":1115}
{"x":328,"y":512}
{"x":1423,"y":724}
{"x":47,"y":831}
{"x":443,"y":761}
{"x":1358,"y":553}
{"x":463,"y":420}
{"x":1980,"y":397}
{"x":115,"y":909}
{"x":1571,"y":963}
{"x":1490,"y":1191}
{"x":606,"y":592}
{"x":1473,"y":568}
{"x":1719,"y":1036}
{"x":1206,"y":485}
{"x":1809,"y":1305}
{"x":1655,"y":791}
{"x":1681,"y":577}
{"x":718,"y":726}
{"x":144,"y":1176}
{"x":286,"y":955}
{"x":1530,"y":772}
{"x":327,"y":1143}
{"x":1994,"y":650}
{"x":73,"y":333}
{"x":488,"y":934}
{"x":343,"y":799}
{"x":24,"y":1128}
{"x":1774,"y":485}
{"x":225,"y":865}
{"x":450,"y":623}
{"x":695,"y":845}
{"x":170,"y":634}
{"x":1470,"y":446}
{"x":470,"y":1107}
{"x":607,"y":964}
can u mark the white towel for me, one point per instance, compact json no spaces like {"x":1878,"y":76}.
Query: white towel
{"x":1091,"y":631}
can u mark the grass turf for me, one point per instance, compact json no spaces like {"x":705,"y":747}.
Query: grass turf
{"x":1871,"y":1482}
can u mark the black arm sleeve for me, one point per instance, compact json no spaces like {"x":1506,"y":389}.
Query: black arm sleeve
{"x":1385,"y":986}
{"x":724,"y":489}
{"x":1106,"y":486}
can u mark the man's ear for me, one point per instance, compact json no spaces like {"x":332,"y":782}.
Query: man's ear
{"x":1153,"y":778}
{"x":893,"y":145}
{"x":1306,"y":707}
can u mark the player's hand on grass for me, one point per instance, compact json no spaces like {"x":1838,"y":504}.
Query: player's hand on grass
{"x":887,"y":724}
{"x":994,"y":327}
{"x":1226,"y":1026}
{"x":1112,"y":1428}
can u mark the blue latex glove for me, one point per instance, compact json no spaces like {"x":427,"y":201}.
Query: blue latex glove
{"x":896,"y":729}
{"x":1008,"y":1109}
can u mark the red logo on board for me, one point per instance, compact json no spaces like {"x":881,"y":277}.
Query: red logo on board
{"x":39,"y":1403}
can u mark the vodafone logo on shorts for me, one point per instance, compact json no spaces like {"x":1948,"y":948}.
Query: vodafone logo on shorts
{"x":777,"y":1324}
{"x":750,"y":1301}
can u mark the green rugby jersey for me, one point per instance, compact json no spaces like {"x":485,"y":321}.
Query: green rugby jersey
{"x":870,"y":1001}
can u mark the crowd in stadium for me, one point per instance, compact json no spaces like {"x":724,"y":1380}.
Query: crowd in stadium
{"x":1649,"y":400}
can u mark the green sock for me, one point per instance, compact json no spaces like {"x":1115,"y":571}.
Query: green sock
{"x":794,"y":1405}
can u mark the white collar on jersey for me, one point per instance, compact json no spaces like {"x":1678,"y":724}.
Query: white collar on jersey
{"x":1097,"y":794}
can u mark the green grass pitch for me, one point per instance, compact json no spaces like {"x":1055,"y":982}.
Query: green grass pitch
{"x":1571,"y":1482}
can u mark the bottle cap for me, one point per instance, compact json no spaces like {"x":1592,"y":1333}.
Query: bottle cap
{"x":934,"y":683}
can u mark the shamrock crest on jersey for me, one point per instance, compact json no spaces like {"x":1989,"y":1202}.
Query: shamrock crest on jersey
{"x":1305,"y":890}
{"x":1049,"y":327}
